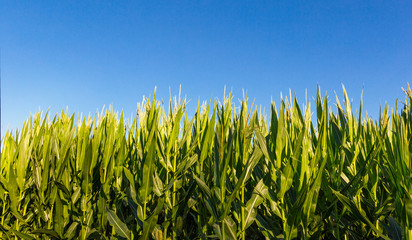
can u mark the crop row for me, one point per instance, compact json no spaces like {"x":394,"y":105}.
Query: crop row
{"x":227,"y":173}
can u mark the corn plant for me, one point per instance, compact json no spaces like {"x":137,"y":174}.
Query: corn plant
{"x":226,"y":173}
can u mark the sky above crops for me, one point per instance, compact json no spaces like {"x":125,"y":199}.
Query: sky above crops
{"x":86,"y":54}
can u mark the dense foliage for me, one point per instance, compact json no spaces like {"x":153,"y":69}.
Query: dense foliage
{"x":227,"y":173}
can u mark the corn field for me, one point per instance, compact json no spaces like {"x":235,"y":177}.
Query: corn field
{"x":226,"y":173}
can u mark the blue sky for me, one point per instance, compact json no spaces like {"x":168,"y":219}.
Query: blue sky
{"x":86,"y":54}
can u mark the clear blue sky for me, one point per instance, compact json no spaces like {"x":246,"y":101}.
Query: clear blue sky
{"x":86,"y":54}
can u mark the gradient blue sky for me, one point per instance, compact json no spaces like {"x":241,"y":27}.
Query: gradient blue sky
{"x":86,"y":54}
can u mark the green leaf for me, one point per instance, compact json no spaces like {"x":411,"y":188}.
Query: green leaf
{"x":66,"y":192}
{"x":71,"y":231}
{"x":48,"y":232}
{"x":252,"y":162}
{"x":22,"y":235}
{"x":205,"y":189}
{"x":58,"y":218}
{"x":150,"y":222}
{"x":257,"y":198}
{"x":408,"y":210}
{"x":118,"y":225}
{"x":230,"y":228}
{"x":149,"y":158}
{"x":359,"y":215}
{"x":13,"y":189}
{"x":157,"y":184}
